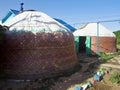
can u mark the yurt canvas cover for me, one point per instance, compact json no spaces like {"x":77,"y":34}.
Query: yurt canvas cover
{"x":36,"y":46}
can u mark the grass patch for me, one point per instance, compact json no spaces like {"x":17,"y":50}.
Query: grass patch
{"x":114,"y":77}
{"x":105,"y":57}
{"x":117,"y":33}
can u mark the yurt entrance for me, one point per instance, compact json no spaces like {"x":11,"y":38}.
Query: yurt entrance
{"x":82,"y":44}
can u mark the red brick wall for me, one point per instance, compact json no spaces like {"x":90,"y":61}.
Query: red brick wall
{"x":106,"y":44}
{"x":29,"y":56}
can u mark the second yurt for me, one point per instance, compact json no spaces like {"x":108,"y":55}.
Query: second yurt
{"x":36,"y":46}
{"x":94,"y":38}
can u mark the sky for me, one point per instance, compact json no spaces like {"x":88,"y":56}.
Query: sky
{"x":74,"y":12}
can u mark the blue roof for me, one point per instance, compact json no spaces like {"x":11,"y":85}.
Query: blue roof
{"x":9,"y":14}
{"x":14,"y":11}
{"x":65,"y":24}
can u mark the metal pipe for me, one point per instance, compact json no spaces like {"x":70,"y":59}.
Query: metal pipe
{"x":21,"y":8}
{"x":97,"y":40}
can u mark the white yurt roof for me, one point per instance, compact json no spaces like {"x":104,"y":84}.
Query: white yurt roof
{"x":91,"y":30}
{"x":34,"y":21}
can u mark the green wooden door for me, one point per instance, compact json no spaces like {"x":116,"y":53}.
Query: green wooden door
{"x":87,"y":42}
{"x":76,"y":39}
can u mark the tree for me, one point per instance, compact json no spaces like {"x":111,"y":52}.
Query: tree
{"x":2,"y":30}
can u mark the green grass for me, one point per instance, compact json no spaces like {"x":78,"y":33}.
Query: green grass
{"x":105,"y":57}
{"x":114,"y":77}
{"x":117,"y":33}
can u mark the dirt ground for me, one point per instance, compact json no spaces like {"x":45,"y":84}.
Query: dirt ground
{"x":104,"y":84}
{"x":88,"y":66}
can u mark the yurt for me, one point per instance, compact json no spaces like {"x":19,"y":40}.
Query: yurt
{"x":93,"y":38}
{"x":36,"y":46}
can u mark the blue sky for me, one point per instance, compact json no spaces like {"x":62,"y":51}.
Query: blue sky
{"x":73,"y":12}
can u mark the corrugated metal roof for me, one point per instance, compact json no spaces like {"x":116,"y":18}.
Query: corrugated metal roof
{"x":65,"y":24}
{"x":10,"y":13}
{"x":14,"y":11}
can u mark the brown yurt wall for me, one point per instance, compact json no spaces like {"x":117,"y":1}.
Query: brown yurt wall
{"x":25,"y":55}
{"x":106,"y":44}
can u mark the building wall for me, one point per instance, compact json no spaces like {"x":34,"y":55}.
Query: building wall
{"x":29,"y":56}
{"x":106,"y":44}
